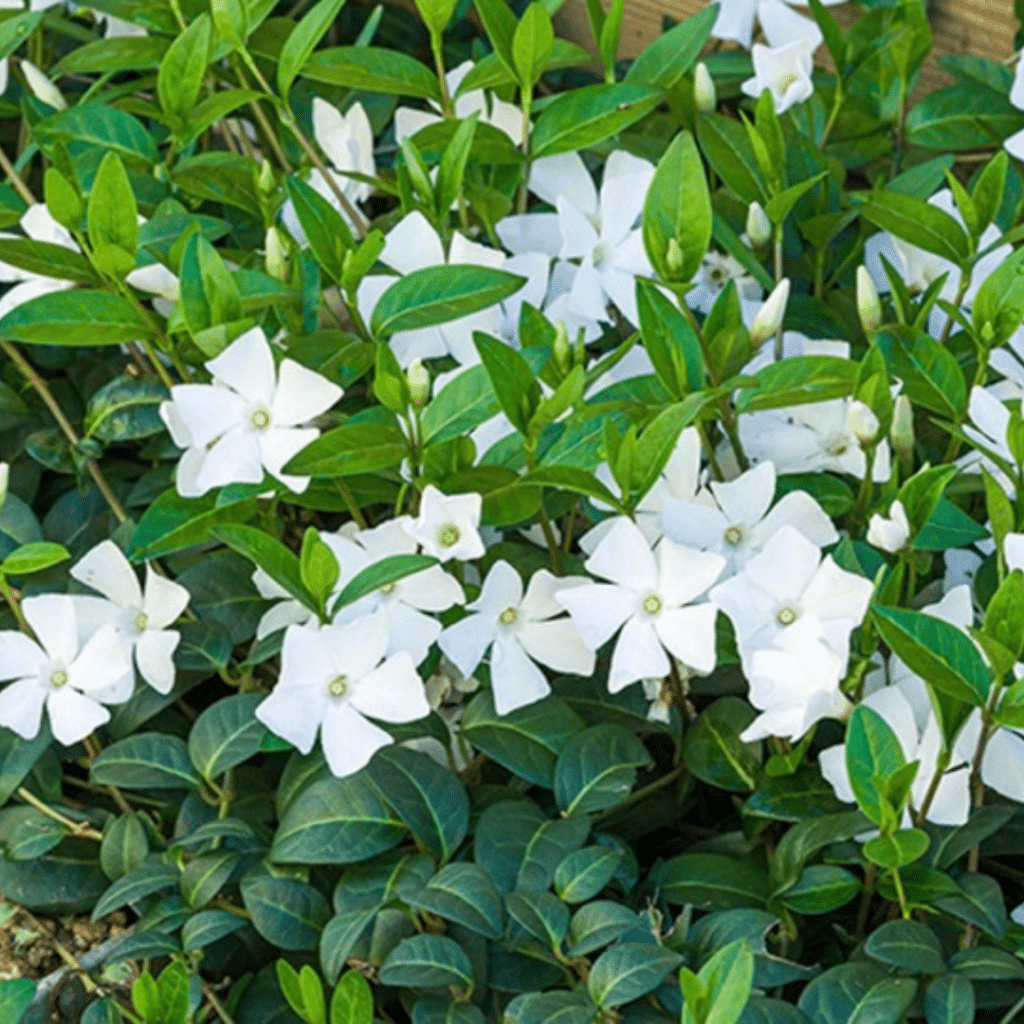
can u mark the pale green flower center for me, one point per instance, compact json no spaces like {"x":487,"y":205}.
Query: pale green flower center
{"x":787,"y":616}
{"x":652,"y":604}
{"x":59,"y":677}
{"x":508,"y":616}
{"x":786,"y":81}
{"x":141,"y":622}
{"x":449,"y":536}
{"x":733,"y":535}
{"x":261,"y":419}
{"x":388,"y":588}
{"x":338,"y":686}
{"x":836,"y":445}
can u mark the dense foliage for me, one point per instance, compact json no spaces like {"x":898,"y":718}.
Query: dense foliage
{"x":493,"y":536}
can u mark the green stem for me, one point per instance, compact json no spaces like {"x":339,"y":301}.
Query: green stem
{"x":778,"y":278}
{"x":447,"y":107}
{"x":900,"y":894}
{"x":15,"y":605}
{"x":526,"y":100}
{"x":342,"y":487}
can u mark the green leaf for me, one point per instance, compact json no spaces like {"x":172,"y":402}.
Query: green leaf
{"x":727,"y":149}
{"x":102,"y":126}
{"x":919,"y":223}
{"x":207,"y":927}
{"x":597,"y":769}
{"x":962,"y":117}
{"x":949,"y":1000}
{"x":148,"y":760}
{"x":586,"y":116}
{"x":547,"y":847}
{"x":336,"y":821}
{"x":873,"y":754}
{"x":500,"y":25}
{"x":280,"y":564}
{"x":125,"y":409}
{"x":204,"y":876}
{"x":511,"y":378}
{"x":798,"y":381}
{"x":677,"y":212}
{"x":288,"y":913}
{"x":328,"y":235}
{"x":805,"y":839}
{"x":302,"y":40}
{"x":226,"y":734}
{"x":427,"y":797}
{"x":15,"y":996}
{"x":437,"y":295}
{"x":427,"y":961}
{"x":584,"y":873}
{"x":727,"y":980}
{"x":351,"y":449}
{"x":540,"y":914}
{"x":75,"y":318}
{"x":380,"y":575}
{"x":125,"y":846}
{"x":597,"y":924}
{"x":352,"y":1002}
{"x":820,"y":889}
{"x":998,"y":308}
{"x":460,"y":406}
{"x":903,"y":847}
{"x":183,"y":68}
{"x":373,"y":69}
{"x":670,"y":341}
{"x":30,"y":558}
{"x":672,"y":54}
{"x":464,"y":895}
{"x":532,"y":45}
{"x":526,"y":741}
{"x":930,"y":373}
{"x":908,"y":945}
{"x":153,"y":875}
{"x":47,"y":259}
{"x":711,"y":880}
{"x":629,"y":971}
{"x":172,"y":523}
{"x":938,"y":652}
{"x":980,"y":901}
{"x":578,"y":481}
{"x":714,"y":752}
{"x":111,"y":56}
{"x":436,"y":14}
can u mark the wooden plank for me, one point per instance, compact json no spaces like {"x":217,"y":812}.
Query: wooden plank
{"x":983,"y":28}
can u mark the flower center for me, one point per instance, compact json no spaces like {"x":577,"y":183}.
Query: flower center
{"x":338,"y":686}
{"x":141,"y":622}
{"x":603,"y":253}
{"x":508,"y":616}
{"x":59,"y":677}
{"x":652,"y":604}
{"x":388,"y":588}
{"x":786,"y":81}
{"x":787,"y":616}
{"x":449,"y":536}
{"x":836,"y":445}
{"x":261,"y":419}
{"x":733,"y":535}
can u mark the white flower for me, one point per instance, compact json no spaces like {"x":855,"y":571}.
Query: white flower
{"x":781,"y":24}
{"x":331,"y":678}
{"x":733,"y":519}
{"x":57,"y":672}
{"x":785,"y":582}
{"x":890,"y":533}
{"x":794,"y":683}
{"x":413,"y":244}
{"x":39,"y":226}
{"x":42,"y":87}
{"x":600,"y":231}
{"x":650,"y":597}
{"x":952,"y":799}
{"x":759,"y":227}
{"x":500,"y":114}
{"x":989,"y":421}
{"x":401,"y":604}
{"x":448,"y":525}
{"x":518,"y":630}
{"x":716,"y":271}
{"x":142,"y":617}
{"x":785,"y":71}
{"x":810,"y":439}
{"x":247,"y":420}
{"x":347,"y":141}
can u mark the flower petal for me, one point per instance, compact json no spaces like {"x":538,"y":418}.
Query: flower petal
{"x":101,"y":663}
{"x":625,"y":557}
{"x":52,"y":618}
{"x":301,"y":395}
{"x":466,"y":642}
{"x":21,"y":707}
{"x":393,"y":692}
{"x":294,"y":714}
{"x":19,"y":656}
{"x":638,"y":655}
{"x":73,"y":715}
{"x":689,"y":633}
{"x":165,"y":600}
{"x":154,"y":656}
{"x":515,"y":680}
{"x":553,"y":177}
{"x":247,"y":366}
{"x":598,"y":610}
{"x":349,"y":740}
{"x":556,"y":643}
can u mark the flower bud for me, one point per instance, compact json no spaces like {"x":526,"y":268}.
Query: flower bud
{"x":901,"y":433}
{"x":863,"y":423}
{"x":277,"y":255}
{"x":869,"y":306}
{"x":418,"y":377}
{"x":561,"y":349}
{"x":5,"y":473}
{"x":43,"y":88}
{"x":769,"y":317}
{"x":759,"y":227}
{"x":265,"y":182}
{"x":890,"y":534}
{"x":705,"y":96}
{"x":674,"y":258}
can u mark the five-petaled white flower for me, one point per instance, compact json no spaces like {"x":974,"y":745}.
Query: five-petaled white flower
{"x":333,"y":680}
{"x":247,"y":420}
{"x":785,"y":71}
{"x":58,"y":672}
{"x":448,"y":525}
{"x":519,"y":630}
{"x":140,"y":617}
{"x":780,"y":23}
{"x":734,"y":520}
{"x":890,"y":533}
{"x":786,"y":581}
{"x":650,"y":597}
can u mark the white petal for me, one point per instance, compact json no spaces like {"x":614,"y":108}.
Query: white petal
{"x":52,"y":618}
{"x":503,"y":588}
{"x":515,"y":680}
{"x":832,"y":763}
{"x":280,"y":616}
{"x":19,"y":656}
{"x":205,"y":412}
{"x":301,"y":395}
{"x":432,"y":590}
{"x":531,"y":232}
{"x":554,"y":177}
{"x":294,"y":714}
{"x":73,"y":715}
{"x":410,"y":631}
{"x":106,"y":570}
{"x":689,"y":633}
{"x":412,"y":244}
{"x":625,"y":557}
{"x":235,"y":458}
{"x":748,"y":498}
{"x":21,"y":707}
{"x":465,"y":642}
{"x":101,"y":663}
{"x":279,"y":445}
{"x":556,"y":643}
{"x":835,"y":593}
{"x":799,"y":510}
{"x":154,"y":655}
{"x":685,"y":573}
{"x":247,"y":366}
{"x":579,"y":237}
{"x":598,"y":610}
{"x":393,"y":692}
{"x":349,"y":740}
{"x":638,"y":655}
{"x":165,"y":600}
{"x":541,"y":601}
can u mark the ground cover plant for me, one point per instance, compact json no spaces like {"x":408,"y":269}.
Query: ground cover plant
{"x":490,"y":535}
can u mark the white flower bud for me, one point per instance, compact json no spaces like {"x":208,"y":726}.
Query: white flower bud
{"x":705,"y":96}
{"x":863,"y":423}
{"x":418,"y":377}
{"x":277,"y":255}
{"x":901,"y":433}
{"x":869,"y":306}
{"x":890,"y":534}
{"x":770,"y":315}
{"x":561,"y":349}
{"x":759,"y":227}
{"x":43,"y":88}
{"x":5,"y":473}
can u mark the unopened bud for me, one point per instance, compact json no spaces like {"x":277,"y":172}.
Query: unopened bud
{"x":869,"y":306}
{"x":265,"y":182}
{"x":769,"y":317}
{"x":759,"y":227}
{"x":863,"y":422}
{"x":901,"y":433}
{"x":674,"y":258}
{"x":418,"y":377}
{"x":43,"y":88}
{"x":277,"y":255}
{"x":890,"y":534}
{"x":5,"y":473}
{"x":561,"y":349}
{"x":705,"y":96}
